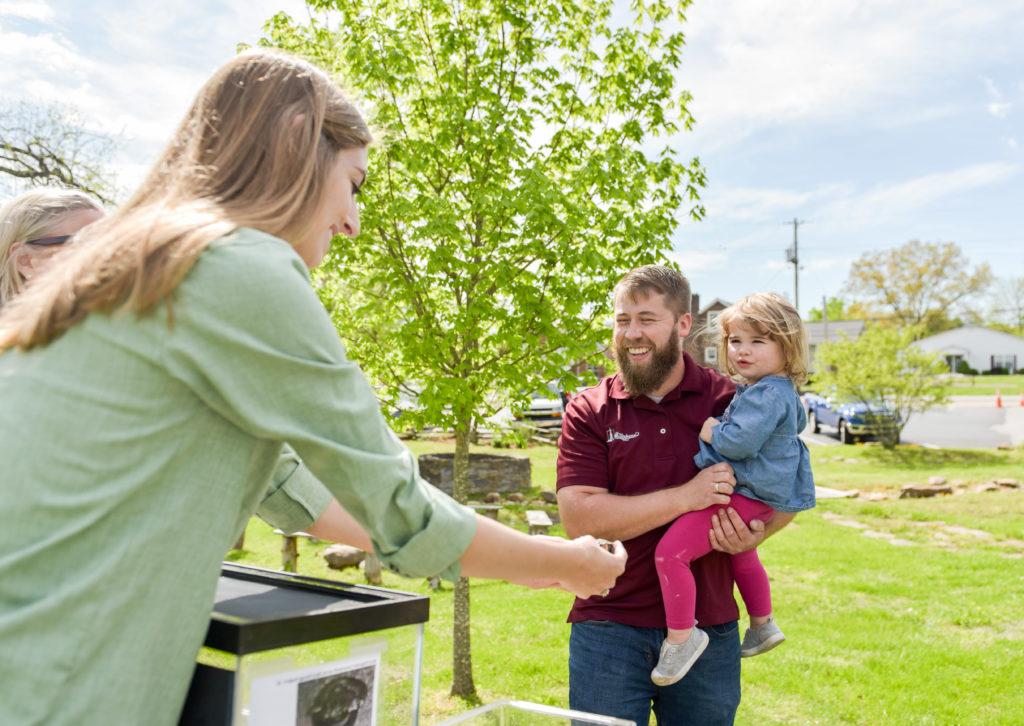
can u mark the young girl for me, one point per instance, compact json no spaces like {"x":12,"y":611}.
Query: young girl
{"x":764,"y":343}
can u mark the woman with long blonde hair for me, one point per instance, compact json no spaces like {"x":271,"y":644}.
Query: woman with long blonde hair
{"x":150,"y":382}
{"x":33,"y":227}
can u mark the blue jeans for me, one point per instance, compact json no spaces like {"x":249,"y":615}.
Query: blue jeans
{"x":610,"y":673}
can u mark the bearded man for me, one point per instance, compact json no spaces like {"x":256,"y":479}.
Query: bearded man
{"x":625,"y":472}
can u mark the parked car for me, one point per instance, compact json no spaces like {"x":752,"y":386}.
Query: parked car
{"x":546,"y":407}
{"x":851,"y":420}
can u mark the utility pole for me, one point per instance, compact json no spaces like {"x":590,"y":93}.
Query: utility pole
{"x":793,"y":257}
{"x":824,"y":314}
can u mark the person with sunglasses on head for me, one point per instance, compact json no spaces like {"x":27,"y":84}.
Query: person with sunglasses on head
{"x":34,"y":226}
{"x":149,"y":389}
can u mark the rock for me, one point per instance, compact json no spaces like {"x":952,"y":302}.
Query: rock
{"x":340,"y":556}
{"x":1008,"y":483}
{"x":549,"y":497}
{"x":875,"y":496}
{"x":920,"y":491}
{"x":516,"y":497}
{"x":492,"y":498}
{"x":936,"y":481}
{"x":487,"y":472}
{"x":958,"y":483}
{"x":987,"y":488}
{"x":1005,"y":447}
{"x":537,"y":503}
{"x":826,"y":493}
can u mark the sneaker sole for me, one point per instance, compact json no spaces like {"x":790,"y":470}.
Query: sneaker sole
{"x":668,"y":681}
{"x":764,"y":647}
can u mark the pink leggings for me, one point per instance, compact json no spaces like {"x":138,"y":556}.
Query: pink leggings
{"x":687,"y":540}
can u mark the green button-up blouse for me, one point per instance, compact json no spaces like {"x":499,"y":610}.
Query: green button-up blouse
{"x":133,"y":451}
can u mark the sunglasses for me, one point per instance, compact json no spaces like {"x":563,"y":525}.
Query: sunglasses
{"x":48,"y":241}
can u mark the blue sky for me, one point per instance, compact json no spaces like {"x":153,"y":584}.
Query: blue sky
{"x":875,"y":122}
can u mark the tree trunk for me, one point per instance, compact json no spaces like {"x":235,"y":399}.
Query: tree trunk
{"x":462,"y":657}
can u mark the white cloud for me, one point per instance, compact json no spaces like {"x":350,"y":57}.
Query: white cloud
{"x":756,"y":63}
{"x":27,"y":10}
{"x":135,"y":75}
{"x":1012,"y":142}
{"x":691,"y":261}
{"x":890,"y":200}
{"x":997,"y":106}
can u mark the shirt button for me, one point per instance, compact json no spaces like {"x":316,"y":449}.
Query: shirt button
{"x":664,"y":431}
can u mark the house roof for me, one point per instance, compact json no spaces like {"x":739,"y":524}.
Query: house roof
{"x":822,"y":331}
{"x":945,"y":334}
{"x":716,"y":301}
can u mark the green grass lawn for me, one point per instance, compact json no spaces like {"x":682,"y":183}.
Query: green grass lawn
{"x":897,"y":611}
{"x":871,"y":467}
{"x":1008,"y":386}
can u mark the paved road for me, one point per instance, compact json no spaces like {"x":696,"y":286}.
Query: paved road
{"x":967,"y":422}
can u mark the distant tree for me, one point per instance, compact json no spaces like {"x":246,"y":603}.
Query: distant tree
{"x":920,"y":283}
{"x":884,"y":365}
{"x":518,"y":176}
{"x":48,"y":146}
{"x":1007,"y":310}
{"x":840,"y":309}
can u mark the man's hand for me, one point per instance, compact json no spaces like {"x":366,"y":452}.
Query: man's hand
{"x":711,"y":486}
{"x":729,"y":534}
{"x":705,"y":430}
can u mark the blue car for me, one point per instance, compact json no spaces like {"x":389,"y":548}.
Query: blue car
{"x":850,"y":420}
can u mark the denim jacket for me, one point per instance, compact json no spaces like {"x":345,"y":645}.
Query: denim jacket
{"x":758,"y":435}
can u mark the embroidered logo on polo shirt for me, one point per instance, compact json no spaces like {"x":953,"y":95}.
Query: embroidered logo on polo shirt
{"x":614,"y":435}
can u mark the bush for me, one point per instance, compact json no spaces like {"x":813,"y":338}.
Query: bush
{"x":964,"y":368}
{"x":515,"y":437}
{"x":997,"y":371}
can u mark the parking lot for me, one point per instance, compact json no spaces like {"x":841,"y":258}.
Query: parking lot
{"x":966,"y":422}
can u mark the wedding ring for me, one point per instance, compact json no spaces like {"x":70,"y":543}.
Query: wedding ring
{"x":716,"y":487}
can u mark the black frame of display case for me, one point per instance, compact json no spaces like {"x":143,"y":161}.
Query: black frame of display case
{"x":210,"y":700}
{"x":373,"y":608}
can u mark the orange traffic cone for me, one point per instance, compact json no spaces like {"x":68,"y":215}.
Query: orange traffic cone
{"x":1022,"y":399}
{"x":999,"y":399}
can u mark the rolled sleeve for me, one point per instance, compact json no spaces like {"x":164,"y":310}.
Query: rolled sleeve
{"x":438,"y":546}
{"x":296,"y":498}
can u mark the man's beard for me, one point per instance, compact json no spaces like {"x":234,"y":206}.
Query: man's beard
{"x":641,"y":380}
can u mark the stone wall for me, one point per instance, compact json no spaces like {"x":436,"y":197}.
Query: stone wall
{"x":487,"y":472}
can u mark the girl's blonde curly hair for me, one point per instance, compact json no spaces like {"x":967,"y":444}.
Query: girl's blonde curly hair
{"x":773,"y":316}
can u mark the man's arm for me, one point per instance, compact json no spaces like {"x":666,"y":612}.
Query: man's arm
{"x":730,"y":535}
{"x":595,"y":511}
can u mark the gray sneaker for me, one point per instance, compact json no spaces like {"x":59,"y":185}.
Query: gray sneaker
{"x":761,"y":639}
{"x":676,"y":660}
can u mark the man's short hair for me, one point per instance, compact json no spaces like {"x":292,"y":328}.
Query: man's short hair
{"x":649,"y":279}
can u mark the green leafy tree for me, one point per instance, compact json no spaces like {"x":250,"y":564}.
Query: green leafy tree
{"x":1007,"y":309}
{"x":884,"y":365}
{"x":919,"y":284}
{"x":519,"y":175}
{"x":840,"y":309}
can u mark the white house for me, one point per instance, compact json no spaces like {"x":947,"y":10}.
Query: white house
{"x":981,"y":348}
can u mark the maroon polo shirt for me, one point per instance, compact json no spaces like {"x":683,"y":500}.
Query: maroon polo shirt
{"x":635,"y":446}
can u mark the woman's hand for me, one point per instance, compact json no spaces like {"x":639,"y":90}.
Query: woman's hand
{"x":711,"y":486}
{"x":707,"y":428}
{"x":594,"y":566}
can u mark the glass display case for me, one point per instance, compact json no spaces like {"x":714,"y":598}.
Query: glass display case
{"x":288,"y":650}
